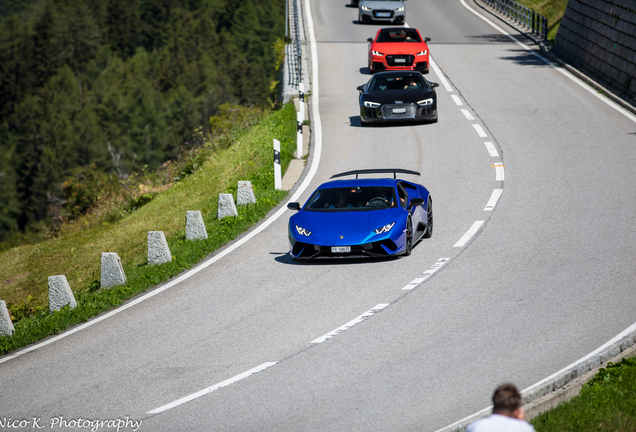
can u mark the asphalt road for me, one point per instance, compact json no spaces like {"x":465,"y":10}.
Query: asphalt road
{"x":547,"y":278}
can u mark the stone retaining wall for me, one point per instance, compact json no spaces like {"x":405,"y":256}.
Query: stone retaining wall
{"x":599,"y":36}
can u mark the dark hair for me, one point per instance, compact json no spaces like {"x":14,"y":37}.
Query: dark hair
{"x":506,"y":399}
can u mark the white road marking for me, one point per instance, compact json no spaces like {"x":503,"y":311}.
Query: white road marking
{"x":350,"y":324}
{"x":457,"y":100}
{"x":500,"y":174}
{"x":491,"y":149}
{"x":492,"y":202}
{"x":467,"y":114}
{"x":480,"y":131}
{"x":215,"y":387}
{"x":317,"y":133}
{"x":439,"y":74}
{"x":427,"y":274}
{"x":469,"y":234}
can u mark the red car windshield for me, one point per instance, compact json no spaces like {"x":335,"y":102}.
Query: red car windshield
{"x":399,"y":35}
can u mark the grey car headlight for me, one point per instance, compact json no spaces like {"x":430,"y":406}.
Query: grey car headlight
{"x":365,"y":8}
{"x":400,"y":9}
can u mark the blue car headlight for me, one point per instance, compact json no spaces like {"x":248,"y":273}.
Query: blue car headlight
{"x":386,"y":228}
{"x":425,"y":102}
{"x":302,"y":231}
{"x":371,"y":104}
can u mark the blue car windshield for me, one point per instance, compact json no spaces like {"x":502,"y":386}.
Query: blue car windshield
{"x":353,"y":198}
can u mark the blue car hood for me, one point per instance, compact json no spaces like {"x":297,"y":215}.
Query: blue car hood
{"x":352,"y":223}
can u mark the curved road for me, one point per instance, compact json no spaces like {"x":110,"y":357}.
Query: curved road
{"x":547,"y":277}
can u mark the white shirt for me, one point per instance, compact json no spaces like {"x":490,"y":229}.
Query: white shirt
{"x":500,"y":423}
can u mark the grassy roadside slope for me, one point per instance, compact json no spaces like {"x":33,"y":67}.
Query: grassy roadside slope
{"x":24,"y":270}
{"x":607,"y":403}
{"x":553,"y":10}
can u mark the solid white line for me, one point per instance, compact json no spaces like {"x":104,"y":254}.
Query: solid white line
{"x":500,"y":173}
{"x":427,"y":274}
{"x":439,"y":74}
{"x":467,"y":114}
{"x":471,"y":232}
{"x":491,"y":149}
{"x":215,"y":387}
{"x":317,"y":130}
{"x":492,"y":202}
{"x":457,"y":100}
{"x":480,"y":131}
{"x":350,"y":324}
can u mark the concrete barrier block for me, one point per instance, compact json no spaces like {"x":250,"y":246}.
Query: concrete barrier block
{"x":245,"y":193}
{"x":6,"y":325}
{"x":195,"y":228}
{"x":60,"y":293}
{"x":158,"y":249}
{"x":112,"y":272}
{"x":226,"y":206}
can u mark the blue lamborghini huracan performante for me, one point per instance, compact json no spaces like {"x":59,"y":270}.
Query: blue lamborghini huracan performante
{"x":357,"y":218}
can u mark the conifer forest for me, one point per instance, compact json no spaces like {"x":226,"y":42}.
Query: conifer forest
{"x":112,"y":87}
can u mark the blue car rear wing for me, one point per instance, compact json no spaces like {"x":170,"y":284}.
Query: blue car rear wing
{"x":377,"y":171}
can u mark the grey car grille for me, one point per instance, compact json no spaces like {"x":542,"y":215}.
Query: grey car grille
{"x":388,"y":111}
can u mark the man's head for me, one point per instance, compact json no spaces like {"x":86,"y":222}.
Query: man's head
{"x":506,"y":400}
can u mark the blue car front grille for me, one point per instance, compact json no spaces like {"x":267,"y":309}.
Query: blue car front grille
{"x":378,"y":249}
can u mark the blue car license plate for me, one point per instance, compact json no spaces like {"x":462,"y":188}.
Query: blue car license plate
{"x":340,"y":249}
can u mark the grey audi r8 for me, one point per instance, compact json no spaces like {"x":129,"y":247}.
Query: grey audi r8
{"x":398,"y":96}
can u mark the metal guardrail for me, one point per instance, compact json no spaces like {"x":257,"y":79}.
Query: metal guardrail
{"x":538,"y":24}
{"x":294,"y":48}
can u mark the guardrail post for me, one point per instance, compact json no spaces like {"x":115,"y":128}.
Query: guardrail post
{"x":112,"y":272}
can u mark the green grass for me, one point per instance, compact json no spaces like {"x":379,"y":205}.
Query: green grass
{"x":77,"y":253}
{"x":553,"y":10}
{"x":607,"y":403}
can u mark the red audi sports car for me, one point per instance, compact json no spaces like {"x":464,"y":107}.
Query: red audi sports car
{"x":398,"y":48}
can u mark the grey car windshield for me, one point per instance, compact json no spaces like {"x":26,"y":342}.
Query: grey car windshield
{"x":396,"y":82}
{"x":352,"y":199}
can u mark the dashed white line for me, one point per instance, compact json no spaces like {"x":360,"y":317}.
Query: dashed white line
{"x":500,"y":174}
{"x":480,"y":131}
{"x":350,"y":324}
{"x":457,"y":100}
{"x":491,"y":149}
{"x":467,"y":114}
{"x":469,"y":234}
{"x":215,"y":387}
{"x":427,"y":274}
{"x":492,"y":202}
